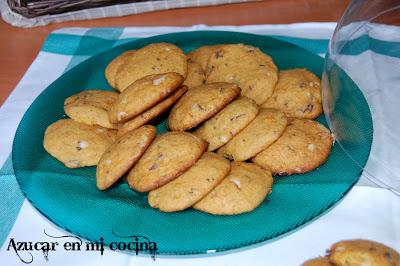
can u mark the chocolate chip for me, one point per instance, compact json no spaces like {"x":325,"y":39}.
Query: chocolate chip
{"x":236,"y":117}
{"x":387,"y":255}
{"x":228,"y":156}
{"x":200,"y":107}
{"x":261,"y":65}
{"x":218,"y":54}
{"x":309,"y":108}
{"x":210,"y":70}
{"x":302,"y":85}
{"x":153,"y":167}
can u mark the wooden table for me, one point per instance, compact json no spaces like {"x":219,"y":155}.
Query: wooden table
{"x":19,"y":47}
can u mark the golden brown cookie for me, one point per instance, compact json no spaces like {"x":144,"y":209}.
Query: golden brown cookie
{"x":143,"y":94}
{"x":251,"y":69}
{"x":122,"y":155}
{"x":91,"y":107}
{"x":202,"y":54}
{"x":320,"y":261}
{"x":267,"y":127}
{"x":167,"y":157}
{"x":200,"y":103}
{"x":152,"y":113}
{"x":77,"y":144}
{"x":112,"y":67}
{"x":228,"y":122}
{"x":297,"y":94}
{"x":195,"y":75}
{"x":191,"y":186}
{"x":241,"y":191}
{"x":152,"y":59}
{"x":363,"y":252}
{"x":303,"y":146}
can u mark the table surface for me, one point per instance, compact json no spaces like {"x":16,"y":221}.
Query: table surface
{"x":20,"y":46}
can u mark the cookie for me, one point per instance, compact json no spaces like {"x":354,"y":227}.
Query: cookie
{"x":152,"y":59}
{"x":152,"y":113}
{"x":112,"y":68}
{"x":297,"y":94}
{"x":76,"y":144}
{"x":241,"y":191}
{"x":228,"y":122}
{"x":122,"y":155}
{"x":143,"y":94}
{"x":200,"y":103}
{"x":320,"y":261}
{"x":252,"y":70}
{"x":303,"y":146}
{"x":191,"y":186}
{"x":202,"y":54}
{"x":168,"y":156}
{"x":267,"y":127}
{"x":195,"y":75}
{"x":363,"y":252}
{"x":91,"y":107}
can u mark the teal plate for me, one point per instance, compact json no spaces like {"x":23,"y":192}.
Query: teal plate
{"x":70,"y":199}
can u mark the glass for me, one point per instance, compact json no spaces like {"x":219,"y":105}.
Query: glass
{"x":366,"y":45}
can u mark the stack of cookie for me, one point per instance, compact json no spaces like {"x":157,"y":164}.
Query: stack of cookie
{"x":270,"y":123}
{"x":232,"y":104}
{"x":357,"y":252}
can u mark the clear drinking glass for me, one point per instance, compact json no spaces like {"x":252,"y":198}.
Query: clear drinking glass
{"x":366,"y":46}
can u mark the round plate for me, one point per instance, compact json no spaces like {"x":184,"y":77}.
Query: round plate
{"x":70,"y":199}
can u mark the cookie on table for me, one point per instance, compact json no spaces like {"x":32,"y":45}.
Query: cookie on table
{"x":142,"y":95}
{"x":168,"y":156}
{"x":152,"y":59}
{"x":76,"y":144}
{"x":228,"y":122}
{"x":187,"y":189}
{"x":200,"y":103}
{"x":320,"y":261}
{"x":122,"y":155}
{"x":304,"y":145}
{"x":202,"y":54}
{"x":266,"y":128}
{"x":251,"y":69}
{"x":195,"y":75}
{"x":91,"y":107}
{"x":297,"y":94}
{"x":152,"y":113}
{"x":363,"y":252}
{"x":112,"y":67}
{"x":245,"y":187}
